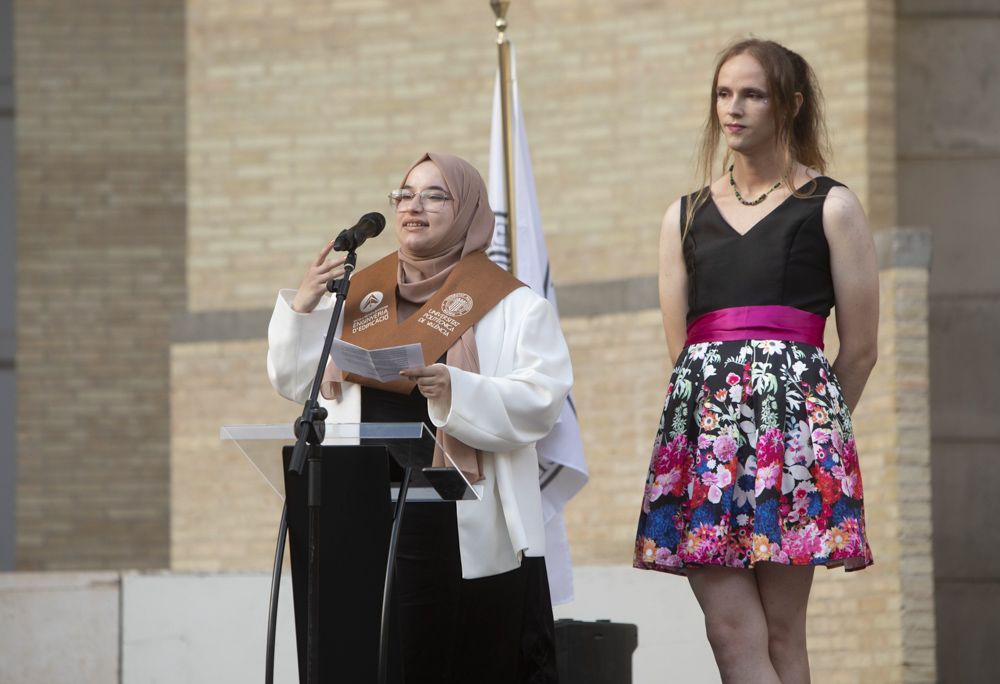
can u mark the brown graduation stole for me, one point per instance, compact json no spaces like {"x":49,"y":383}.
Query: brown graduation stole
{"x":472,"y":289}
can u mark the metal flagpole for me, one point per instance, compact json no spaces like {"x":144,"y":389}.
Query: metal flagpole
{"x":507,"y":115}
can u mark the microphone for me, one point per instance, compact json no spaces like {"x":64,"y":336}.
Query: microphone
{"x":368,"y":226}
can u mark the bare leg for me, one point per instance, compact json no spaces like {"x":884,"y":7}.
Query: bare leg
{"x":784,"y":593}
{"x":735,"y":623}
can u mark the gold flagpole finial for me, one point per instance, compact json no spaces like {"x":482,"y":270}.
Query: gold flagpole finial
{"x":500,"y":10}
{"x":507,"y":116}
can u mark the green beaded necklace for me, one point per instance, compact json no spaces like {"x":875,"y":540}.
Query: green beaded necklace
{"x":760,"y":199}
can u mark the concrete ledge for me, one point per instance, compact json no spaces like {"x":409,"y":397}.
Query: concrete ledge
{"x":146,"y":628}
{"x":141,"y":628}
{"x":203,"y":628}
{"x":59,"y":627}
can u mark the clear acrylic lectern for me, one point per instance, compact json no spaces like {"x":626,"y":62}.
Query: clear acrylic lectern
{"x":262,"y":446}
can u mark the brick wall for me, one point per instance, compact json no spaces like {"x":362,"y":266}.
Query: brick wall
{"x":101,"y":220}
{"x":619,"y":405}
{"x":303,"y":115}
{"x":879,"y":625}
{"x":222,"y":515}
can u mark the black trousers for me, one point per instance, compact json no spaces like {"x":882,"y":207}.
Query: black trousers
{"x":493,"y":630}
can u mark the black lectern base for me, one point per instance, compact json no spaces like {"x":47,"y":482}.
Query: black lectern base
{"x":356,"y":519}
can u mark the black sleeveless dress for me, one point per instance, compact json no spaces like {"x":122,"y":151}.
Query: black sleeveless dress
{"x":755,"y":458}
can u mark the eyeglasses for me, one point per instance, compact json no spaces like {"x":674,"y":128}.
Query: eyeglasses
{"x":430,"y":200}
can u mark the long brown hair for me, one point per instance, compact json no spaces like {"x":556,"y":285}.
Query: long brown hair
{"x":802,"y":135}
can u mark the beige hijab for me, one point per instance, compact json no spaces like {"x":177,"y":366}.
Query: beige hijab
{"x":422,"y":274}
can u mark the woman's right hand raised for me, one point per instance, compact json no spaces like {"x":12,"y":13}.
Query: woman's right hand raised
{"x":313,"y":285}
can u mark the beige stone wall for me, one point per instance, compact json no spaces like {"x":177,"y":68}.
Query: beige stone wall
{"x":619,"y":406}
{"x":100,"y":216}
{"x":223,"y":515}
{"x":948,"y":115}
{"x":303,"y":115}
{"x":878,"y":625}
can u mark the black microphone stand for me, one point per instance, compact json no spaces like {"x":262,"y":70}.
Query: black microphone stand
{"x":310,"y":430}
{"x":272,"y":613}
{"x":390,"y":572}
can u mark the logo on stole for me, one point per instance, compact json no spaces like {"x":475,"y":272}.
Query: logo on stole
{"x":371,"y":301}
{"x":457,"y":304}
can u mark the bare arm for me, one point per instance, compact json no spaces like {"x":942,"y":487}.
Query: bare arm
{"x":855,"y":283}
{"x":673,"y":281}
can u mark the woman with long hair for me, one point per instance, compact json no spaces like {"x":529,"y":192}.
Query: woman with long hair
{"x":754,"y":478}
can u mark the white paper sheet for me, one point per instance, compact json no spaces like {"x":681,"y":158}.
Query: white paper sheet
{"x":381,"y":364}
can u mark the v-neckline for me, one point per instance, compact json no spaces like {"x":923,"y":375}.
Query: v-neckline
{"x":763,"y":218}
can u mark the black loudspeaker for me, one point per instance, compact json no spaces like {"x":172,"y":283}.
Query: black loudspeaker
{"x":595,"y":652}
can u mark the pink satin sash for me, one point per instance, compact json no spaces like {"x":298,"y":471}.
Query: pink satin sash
{"x":772,"y":322}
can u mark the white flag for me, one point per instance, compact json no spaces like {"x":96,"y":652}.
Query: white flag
{"x":562,"y":468}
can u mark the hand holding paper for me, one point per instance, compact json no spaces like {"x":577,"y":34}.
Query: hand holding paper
{"x":382,"y":364}
{"x":434,"y":381}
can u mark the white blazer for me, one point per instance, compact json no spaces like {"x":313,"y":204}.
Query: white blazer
{"x":514,"y":401}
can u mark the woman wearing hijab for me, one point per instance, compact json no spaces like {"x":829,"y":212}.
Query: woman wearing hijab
{"x":471,"y":586}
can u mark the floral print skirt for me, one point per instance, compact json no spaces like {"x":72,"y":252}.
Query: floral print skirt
{"x":754,"y":460}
